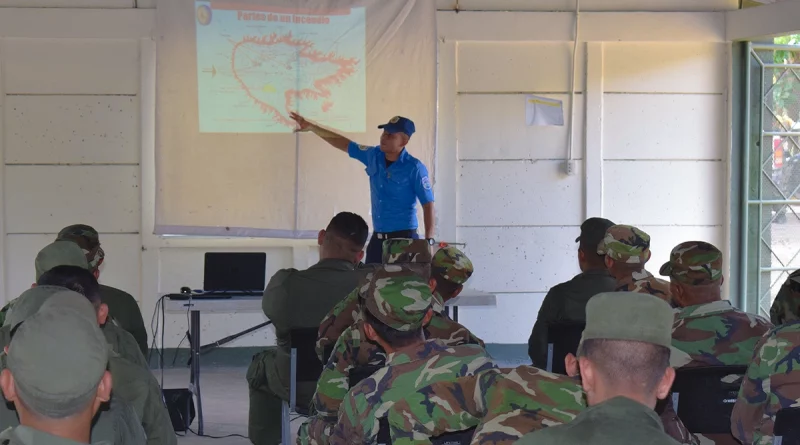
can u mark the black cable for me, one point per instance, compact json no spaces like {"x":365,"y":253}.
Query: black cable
{"x":217,"y":437}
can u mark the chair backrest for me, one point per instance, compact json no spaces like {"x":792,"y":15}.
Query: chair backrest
{"x":304,"y":340}
{"x":787,"y":426}
{"x":703,"y":397}
{"x":454,"y":438}
{"x":562,"y":339}
{"x":360,"y":373}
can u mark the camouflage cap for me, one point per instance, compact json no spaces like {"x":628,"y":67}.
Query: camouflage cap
{"x":400,"y":302}
{"x":406,"y":250}
{"x":398,"y":270}
{"x":452,"y":265}
{"x":626,"y":244}
{"x":59,"y":253}
{"x":58,"y":356}
{"x":694,"y":263}
{"x":88,"y":239}
{"x":629,"y":316}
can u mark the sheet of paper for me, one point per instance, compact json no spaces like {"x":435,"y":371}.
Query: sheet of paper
{"x":543,"y":111}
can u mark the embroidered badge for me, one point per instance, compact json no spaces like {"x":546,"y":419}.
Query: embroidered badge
{"x":426,"y":183}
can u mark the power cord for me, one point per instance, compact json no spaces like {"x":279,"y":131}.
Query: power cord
{"x":217,"y":437}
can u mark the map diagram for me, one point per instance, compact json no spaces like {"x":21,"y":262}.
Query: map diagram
{"x":256,"y":66}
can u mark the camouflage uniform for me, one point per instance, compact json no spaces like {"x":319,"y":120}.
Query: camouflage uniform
{"x":786,"y":307}
{"x":628,"y":244}
{"x":401,"y":303}
{"x":346,"y":312}
{"x":710,"y":334}
{"x":122,"y":307}
{"x":353,"y":349}
{"x":504,"y":405}
{"x":772,"y":381}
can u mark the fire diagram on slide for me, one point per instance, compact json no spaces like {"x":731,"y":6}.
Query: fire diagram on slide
{"x":255,"y":67}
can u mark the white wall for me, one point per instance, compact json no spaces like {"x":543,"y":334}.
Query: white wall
{"x":77,"y":90}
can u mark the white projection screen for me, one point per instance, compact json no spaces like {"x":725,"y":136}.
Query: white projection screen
{"x":229,"y":72}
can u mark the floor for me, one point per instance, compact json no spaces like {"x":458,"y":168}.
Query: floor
{"x":225,"y":399}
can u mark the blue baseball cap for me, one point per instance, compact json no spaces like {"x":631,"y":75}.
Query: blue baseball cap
{"x":399,"y":124}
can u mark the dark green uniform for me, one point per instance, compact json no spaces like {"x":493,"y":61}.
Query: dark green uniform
{"x":616,"y":421}
{"x":122,"y":307}
{"x":123,"y":343}
{"x":23,"y":435}
{"x":293,"y":299}
{"x":566,"y":302}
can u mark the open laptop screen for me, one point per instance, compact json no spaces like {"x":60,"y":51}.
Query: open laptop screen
{"x":235,"y":272}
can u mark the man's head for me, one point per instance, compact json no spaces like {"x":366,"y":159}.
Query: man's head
{"x":625,"y":349}
{"x":89,"y":241}
{"x":59,"y":253}
{"x":396,"y":134}
{"x":626,"y":250}
{"x":344,"y":238}
{"x":786,"y":307}
{"x":57,"y":361}
{"x":593,"y":231}
{"x":78,"y":280}
{"x":451,"y":268}
{"x":395,"y":311}
{"x":695,"y":273}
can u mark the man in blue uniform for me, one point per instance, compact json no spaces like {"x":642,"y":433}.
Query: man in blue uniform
{"x":396,"y":181}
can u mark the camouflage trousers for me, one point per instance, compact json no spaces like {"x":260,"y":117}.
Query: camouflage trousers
{"x":315,"y":431}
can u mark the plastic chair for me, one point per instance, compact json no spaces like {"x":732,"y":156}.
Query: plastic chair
{"x":787,"y":427}
{"x":305,"y":367}
{"x":703,"y":397}
{"x":562,"y":339}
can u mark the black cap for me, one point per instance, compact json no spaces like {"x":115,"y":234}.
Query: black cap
{"x":593,"y":230}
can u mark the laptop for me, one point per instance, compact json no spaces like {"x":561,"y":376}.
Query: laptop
{"x":229,"y":274}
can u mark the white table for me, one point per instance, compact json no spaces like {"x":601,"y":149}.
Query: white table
{"x":236,"y":305}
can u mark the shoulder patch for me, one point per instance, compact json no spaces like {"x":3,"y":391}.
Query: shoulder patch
{"x":426,"y":183}
{"x":363,"y":147}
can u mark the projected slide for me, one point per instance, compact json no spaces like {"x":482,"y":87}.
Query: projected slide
{"x":256,"y":64}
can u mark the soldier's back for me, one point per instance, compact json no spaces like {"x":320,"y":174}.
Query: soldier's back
{"x":123,"y":343}
{"x":615,"y":421}
{"x":772,"y":382}
{"x":716,"y":334}
{"x":124,"y":309}
{"x":23,"y":435}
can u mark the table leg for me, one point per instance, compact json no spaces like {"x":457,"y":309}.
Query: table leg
{"x":455,"y":314}
{"x":194,"y":330}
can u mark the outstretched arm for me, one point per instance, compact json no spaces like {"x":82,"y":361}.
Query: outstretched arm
{"x":330,"y":137}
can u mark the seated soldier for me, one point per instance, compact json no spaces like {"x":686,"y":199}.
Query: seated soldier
{"x":785,"y":308}
{"x":122,"y":307}
{"x":395,"y":312}
{"x":567,"y":301}
{"x":299,"y":299}
{"x":624,"y":368}
{"x":772,"y":381}
{"x":347,"y":311}
{"x":56,"y":375}
{"x":354,"y":351}
{"x":627,"y":250}
{"x":80,"y":280}
{"x":708,"y":331}
{"x":503,"y":405}
{"x":134,"y":384}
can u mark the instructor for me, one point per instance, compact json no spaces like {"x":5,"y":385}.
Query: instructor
{"x":396,"y":181}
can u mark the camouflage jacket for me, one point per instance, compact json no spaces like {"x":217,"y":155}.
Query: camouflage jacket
{"x":341,"y":317}
{"x":504,"y":405}
{"x":404,"y":374}
{"x":772,"y":382}
{"x":715,"y":334}
{"x":354,"y":350}
{"x":645,"y":283}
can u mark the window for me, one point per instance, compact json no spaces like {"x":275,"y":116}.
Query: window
{"x":771,"y":248}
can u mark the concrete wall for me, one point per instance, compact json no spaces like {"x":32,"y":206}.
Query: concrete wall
{"x":77,"y":94}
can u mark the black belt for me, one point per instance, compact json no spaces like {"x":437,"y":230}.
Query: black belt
{"x":392,"y":235}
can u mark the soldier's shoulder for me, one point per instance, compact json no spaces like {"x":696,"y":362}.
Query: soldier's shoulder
{"x":110,"y":290}
{"x":282,"y":277}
